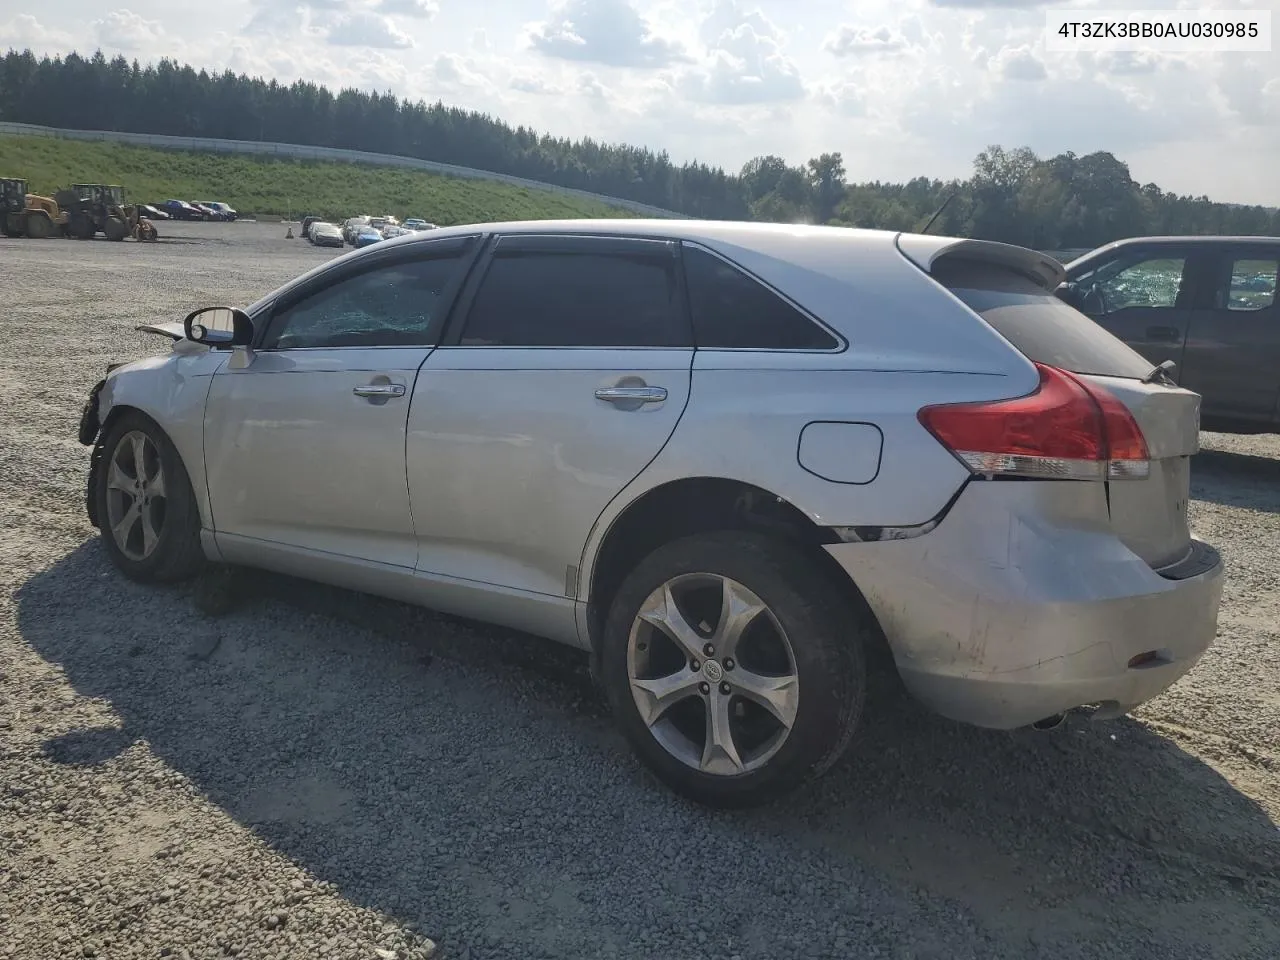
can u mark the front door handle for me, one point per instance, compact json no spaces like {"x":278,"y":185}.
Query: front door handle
{"x":380,"y":390}
{"x":632,"y":394}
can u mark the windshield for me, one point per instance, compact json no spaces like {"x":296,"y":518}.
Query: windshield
{"x":1036,"y":322}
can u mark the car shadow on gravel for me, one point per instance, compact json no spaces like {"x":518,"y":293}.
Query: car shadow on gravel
{"x":1236,"y":479}
{"x":467,"y":779}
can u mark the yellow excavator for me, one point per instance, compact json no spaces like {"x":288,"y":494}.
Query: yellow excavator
{"x":25,"y":214}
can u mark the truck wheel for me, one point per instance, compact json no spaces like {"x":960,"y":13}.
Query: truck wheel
{"x":39,"y":226}
{"x":734,"y":667}
{"x":81,"y":227}
{"x":115,"y":229}
{"x":11,"y":225}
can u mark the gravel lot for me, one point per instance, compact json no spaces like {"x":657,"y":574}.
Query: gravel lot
{"x":321,"y":774}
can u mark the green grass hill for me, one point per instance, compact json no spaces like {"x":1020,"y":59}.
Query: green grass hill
{"x":270,"y":187}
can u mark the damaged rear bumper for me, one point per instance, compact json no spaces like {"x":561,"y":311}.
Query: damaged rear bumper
{"x":1023,"y":604}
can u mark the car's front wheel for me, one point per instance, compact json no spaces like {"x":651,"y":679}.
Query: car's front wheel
{"x":145,"y":509}
{"x":734,"y":667}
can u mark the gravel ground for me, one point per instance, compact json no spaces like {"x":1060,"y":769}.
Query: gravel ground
{"x":321,"y":774}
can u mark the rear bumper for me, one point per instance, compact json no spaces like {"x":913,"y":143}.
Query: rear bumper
{"x":1022,"y":604}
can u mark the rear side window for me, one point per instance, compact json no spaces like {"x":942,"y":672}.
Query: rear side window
{"x":1253,"y":285}
{"x":732,"y":310}
{"x":572,"y":299}
{"x":1037,"y":323}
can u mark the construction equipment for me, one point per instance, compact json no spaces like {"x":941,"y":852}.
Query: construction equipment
{"x":94,"y":207}
{"x":28,"y":214}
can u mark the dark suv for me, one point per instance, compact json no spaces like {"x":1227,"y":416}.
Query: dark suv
{"x":1206,"y":303}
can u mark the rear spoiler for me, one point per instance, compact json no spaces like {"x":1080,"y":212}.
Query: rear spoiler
{"x":925,"y":251}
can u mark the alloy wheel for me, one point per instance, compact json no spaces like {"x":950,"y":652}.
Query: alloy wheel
{"x":713,"y":674}
{"x":136,"y":495}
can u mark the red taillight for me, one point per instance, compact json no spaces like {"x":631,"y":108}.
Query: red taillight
{"x":1067,"y":429}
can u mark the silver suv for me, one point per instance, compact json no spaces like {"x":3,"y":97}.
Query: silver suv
{"x":731,"y":461}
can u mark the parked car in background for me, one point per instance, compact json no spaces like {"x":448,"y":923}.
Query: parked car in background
{"x":1207,"y":305}
{"x":181,"y":210}
{"x":152,"y":213}
{"x":306,"y":223}
{"x":350,"y":226}
{"x":221,"y":210}
{"x":325,"y":234}
{"x":207,"y":212}
{"x":393,"y":230}
{"x":416,"y":224}
{"x":366,"y":234}
{"x":948,"y":468}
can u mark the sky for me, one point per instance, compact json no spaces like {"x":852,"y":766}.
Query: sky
{"x":901,"y":88}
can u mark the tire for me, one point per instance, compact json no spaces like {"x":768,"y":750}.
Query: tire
{"x":175,"y":553}
{"x":806,"y":631}
{"x":115,"y":229}
{"x":12,"y":224}
{"x":81,"y":226}
{"x":39,"y":226}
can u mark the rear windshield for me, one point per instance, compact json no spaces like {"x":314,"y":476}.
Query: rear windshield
{"x":1036,"y":322}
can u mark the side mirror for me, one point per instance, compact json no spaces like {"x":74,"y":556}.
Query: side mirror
{"x":1069,"y":293}
{"x":219,"y":327}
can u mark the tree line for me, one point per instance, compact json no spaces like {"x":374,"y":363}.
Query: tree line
{"x":1063,"y":202}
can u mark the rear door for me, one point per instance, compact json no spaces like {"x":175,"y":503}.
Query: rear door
{"x":1232,"y":356}
{"x":1149,"y":514}
{"x":565,"y":378}
{"x":1146,"y":297}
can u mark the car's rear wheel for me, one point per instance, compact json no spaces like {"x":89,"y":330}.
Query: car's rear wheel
{"x":146,"y":510}
{"x":734,"y":667}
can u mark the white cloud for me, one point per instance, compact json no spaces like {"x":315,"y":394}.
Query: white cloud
{"x":1018,"y":63}
{"x":126,"y":30}
{"x":535,"y":84}
{"x":26,"y":32}
{"x":422,"y":9}
{"x":609,"y":32}
{"x":744,"y":63}
{"x":452,"y":72}
{"x":850,"y":41}
{"x":363,"y":29}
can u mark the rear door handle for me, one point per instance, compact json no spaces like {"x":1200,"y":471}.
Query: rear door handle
{"x":632,"y":394}
{"x":376,"y":390}
{"x":1168,"y":334}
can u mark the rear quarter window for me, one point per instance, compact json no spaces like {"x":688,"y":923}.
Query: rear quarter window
{"x":1041,"y":326}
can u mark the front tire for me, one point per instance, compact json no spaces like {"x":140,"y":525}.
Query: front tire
{"x":146,"y":511}
{"x":39,"y":226}
{"x":734,"y":667}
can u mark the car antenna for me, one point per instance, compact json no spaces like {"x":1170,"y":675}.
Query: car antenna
{"x":937,"y":213}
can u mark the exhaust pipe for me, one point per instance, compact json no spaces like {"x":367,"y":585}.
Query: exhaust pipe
{"x":1050,"y":723}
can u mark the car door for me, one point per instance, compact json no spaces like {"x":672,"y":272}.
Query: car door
{"x":1145,"y":296}
{"x":304,"y":444}
{"x":564,"y":376}
{"x":1232,"y":356}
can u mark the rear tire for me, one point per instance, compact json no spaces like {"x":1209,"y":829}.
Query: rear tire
{"x":12,"y":224}
{"x":115,"y":229}
{"x":150,"y":529}
{"x":761,"y":714}
{"x":39,"y":226}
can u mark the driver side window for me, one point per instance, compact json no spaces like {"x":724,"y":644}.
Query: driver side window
{"x":397,"y":304}
{"x":1155,"y":282}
